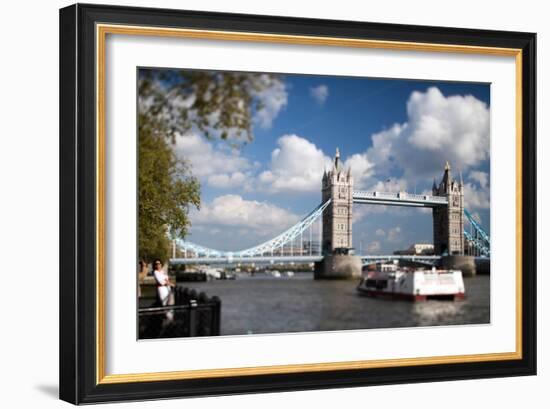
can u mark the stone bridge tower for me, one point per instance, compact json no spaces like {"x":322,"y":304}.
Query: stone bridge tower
{"x":337,"y":218}
{"x":448,"y":221}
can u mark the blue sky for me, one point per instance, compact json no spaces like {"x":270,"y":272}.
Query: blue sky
{"x":394,"y":134}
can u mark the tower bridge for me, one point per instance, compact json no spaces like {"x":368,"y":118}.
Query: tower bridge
{"x":455,"y":230}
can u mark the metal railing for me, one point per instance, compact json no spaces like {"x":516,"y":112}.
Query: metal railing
{"x":191,"y":315}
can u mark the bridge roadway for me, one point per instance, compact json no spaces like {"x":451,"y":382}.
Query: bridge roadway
{"x":399,"y":199}
{"x":367,"y":259}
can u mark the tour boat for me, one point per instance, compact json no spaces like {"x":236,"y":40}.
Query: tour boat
{"x":414,"y":285}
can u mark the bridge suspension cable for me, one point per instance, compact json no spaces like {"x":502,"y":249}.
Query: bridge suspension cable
{"x":478,"y":237}
{"x":268,"y":247}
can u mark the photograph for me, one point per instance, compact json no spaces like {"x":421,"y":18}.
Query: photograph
{"x":285,"y":202}
{"x":259,"y":203}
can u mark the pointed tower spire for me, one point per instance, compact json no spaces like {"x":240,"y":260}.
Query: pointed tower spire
{"x":446,"y":181}
{"x":337,"y":159}
{"x":434,"y":186}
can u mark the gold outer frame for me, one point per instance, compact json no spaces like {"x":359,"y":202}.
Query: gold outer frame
{"x":102,"y":30}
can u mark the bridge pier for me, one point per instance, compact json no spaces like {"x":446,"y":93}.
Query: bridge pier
{"x":483,"y":266}
{"x":338,"y":267}
{"x":466,"y":264}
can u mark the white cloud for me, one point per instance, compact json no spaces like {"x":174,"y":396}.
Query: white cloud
{"x":260,"y":218}
{"x":476,"y":198}
{"x":361,"y":169}
{"x":296,"y":165}
{"x":439,"y":128}
{"x":480,"y":177}
{"x":273,"y":97}
{"x":389,"y":185}
{"x":319,"y":93}
{"x":373,"y":247}
{"x":361,"y":211}
{"x":384,"y":146}
{"x":394,"y":234}
{"x":380,"y":232}
{"x":219,"y":167}
{"x":455,"y":125}
{"x":225,"y":181}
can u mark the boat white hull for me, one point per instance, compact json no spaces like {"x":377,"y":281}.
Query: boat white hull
{"x":414,"y":286}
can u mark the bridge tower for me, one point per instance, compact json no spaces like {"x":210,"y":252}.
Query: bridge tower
{"x":448,"y":221}
{"x":337,"y":218}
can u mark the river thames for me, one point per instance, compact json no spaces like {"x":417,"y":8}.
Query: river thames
{"x":264,"y":304}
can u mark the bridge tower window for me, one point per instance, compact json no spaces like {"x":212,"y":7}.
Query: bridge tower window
{"x":341,"y":210}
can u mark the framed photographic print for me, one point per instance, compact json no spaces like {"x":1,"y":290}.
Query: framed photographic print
{"x":257,"y":203}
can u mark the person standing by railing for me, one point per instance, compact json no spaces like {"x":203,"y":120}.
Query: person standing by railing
{"x":164,"y":284}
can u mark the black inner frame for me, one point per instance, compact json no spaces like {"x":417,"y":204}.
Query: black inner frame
{"x":78,"y":198}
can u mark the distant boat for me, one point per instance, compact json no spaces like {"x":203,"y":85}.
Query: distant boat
{"x":212,"y":273}
{"x":275,"y":273}
{"x":289,"y":273}
{"x":228,"y":276}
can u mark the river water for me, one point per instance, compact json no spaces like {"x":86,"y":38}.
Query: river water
{"x":265,"y":304}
